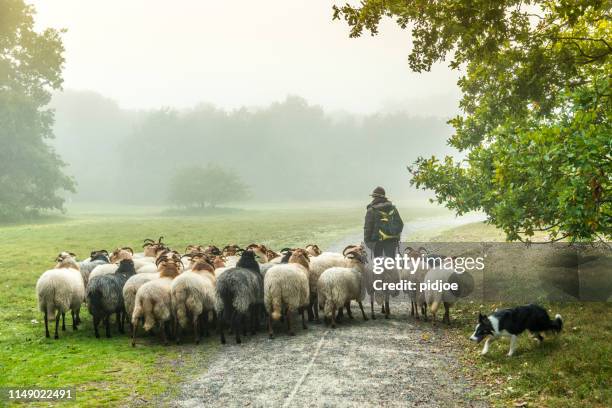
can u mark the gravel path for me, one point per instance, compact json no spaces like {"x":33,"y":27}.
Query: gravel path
{"x":391,"y":363}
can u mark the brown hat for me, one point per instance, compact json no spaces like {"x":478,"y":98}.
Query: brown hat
{"x":378,"y":192}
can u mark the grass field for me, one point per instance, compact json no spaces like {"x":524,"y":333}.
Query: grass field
{"x":110,"y":371}
{"x":572,"y":370}
{"x":105,"y":371}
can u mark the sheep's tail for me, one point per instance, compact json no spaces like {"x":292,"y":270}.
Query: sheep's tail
{"x":434,"y":306}
{"x":276,"y":309}
{"x":138,"y":311}
{"x":180,"y":306}
{"x":557,"y":324}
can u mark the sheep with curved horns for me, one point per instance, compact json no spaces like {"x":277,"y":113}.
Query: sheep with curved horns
{"x":231,"y":253}
{"x":193,"y":295}
{"x":116,"y":256}
{"x":61,"y":289}
{"x":382,"y":297}
{"x":337,"y":286}
{"x":153,"y":300}
{"x":105,"y":296}
{"x":313,"y":250}
{"x":239,"y":294}
{"x":318,"y":265}
{"x":286,"y":288}
{"x":416,"y":276}
{"x":99,"y":257}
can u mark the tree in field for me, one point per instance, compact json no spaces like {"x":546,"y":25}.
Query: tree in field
{"x":536,"y":124}
{"x":30,"y":68}
{"x":199,"y":187}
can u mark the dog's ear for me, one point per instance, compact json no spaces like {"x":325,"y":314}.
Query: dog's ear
{"x":481,"y":317}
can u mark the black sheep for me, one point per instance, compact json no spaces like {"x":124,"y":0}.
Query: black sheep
{"x":105,"y":296}
{"x":240,"y":294}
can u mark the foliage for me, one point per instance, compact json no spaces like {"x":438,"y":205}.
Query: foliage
{"x":30,"y":67}
{"x":311,"y":153}
{"x":197,"y":186}
{"x":536,"y":101}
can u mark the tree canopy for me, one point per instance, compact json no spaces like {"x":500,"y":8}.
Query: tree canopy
{"x":30,"y":68}
{"x":535,"y":128}
{"x":197,"y":186}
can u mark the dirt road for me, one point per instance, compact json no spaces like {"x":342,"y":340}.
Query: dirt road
{"x":396,"y":362}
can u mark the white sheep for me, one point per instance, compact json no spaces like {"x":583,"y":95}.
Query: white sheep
{"x":193,"y":295}
{"x":318,"y":265}
{"x":337,"y":286}
{"x":131,"y":288}
{"x":59,"y":290}
{"x":440,"y":274}
{"x":286,"y":287}
{"x":153,"y":300}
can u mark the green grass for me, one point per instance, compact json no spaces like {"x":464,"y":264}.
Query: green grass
{"x":573,"y":369}
{"x":111,"y":372}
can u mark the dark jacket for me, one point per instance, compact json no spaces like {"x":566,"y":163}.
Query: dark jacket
{"x":369,"y":227}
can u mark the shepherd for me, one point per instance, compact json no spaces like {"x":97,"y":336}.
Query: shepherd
{"x":383,"y":225}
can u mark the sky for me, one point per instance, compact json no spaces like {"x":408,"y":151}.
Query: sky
{"x":147,"y":54}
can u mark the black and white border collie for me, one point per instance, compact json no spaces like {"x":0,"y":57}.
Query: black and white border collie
{"x":512,"y":322}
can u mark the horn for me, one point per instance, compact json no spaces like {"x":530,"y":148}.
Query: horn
{"x":348,"y":247}
{"x":129,"y":249}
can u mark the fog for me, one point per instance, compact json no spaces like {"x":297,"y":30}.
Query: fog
{"x":276,"y":91}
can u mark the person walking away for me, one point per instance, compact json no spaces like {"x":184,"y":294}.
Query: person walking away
{"x":382,"y":229}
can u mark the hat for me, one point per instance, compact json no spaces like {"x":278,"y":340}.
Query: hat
{"x":378,"y":192}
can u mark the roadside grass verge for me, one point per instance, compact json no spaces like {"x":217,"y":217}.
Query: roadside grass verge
{"x":573,"y":369}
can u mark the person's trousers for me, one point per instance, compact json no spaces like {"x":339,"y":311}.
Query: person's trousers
{"x":387,"y":248}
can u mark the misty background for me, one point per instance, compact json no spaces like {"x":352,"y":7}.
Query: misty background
{"x":281,"y":95}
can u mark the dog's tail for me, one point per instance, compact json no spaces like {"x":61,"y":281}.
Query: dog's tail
{"x":557,"y":324}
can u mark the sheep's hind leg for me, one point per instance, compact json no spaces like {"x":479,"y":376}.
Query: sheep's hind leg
{"x":119,"y":317}
{"x":347,"y":305}
{"x":303,"y":318}
{"x":177,"y":331}
{"x":333,"y":317}
{"x":221,"y":327}
{"x":340,"y":315}
{"x":196,"y":332}
{"x":47,"y":335}
{"x":205,"y":324}
{"x":236,"y":326}
{"x":289,"y":329}
{"x":446,"y":318}
{"x":162,"y":332}
{"x":74,"y":327}
{"x":63,"y":321}
{"x":107,"y":326}
{"x":372,"y":307}
{"x":57,"y":319}
{"x":96,"y":321}
{"x":363,"y":313}
{"x":134,"y":327}
{"x":387,"y":308}
{"x":270,"y":331}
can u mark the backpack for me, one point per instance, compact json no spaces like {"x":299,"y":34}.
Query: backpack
{"x":389,"y":224}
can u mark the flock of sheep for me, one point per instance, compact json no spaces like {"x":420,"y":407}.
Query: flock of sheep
{"x":162,"y":288}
